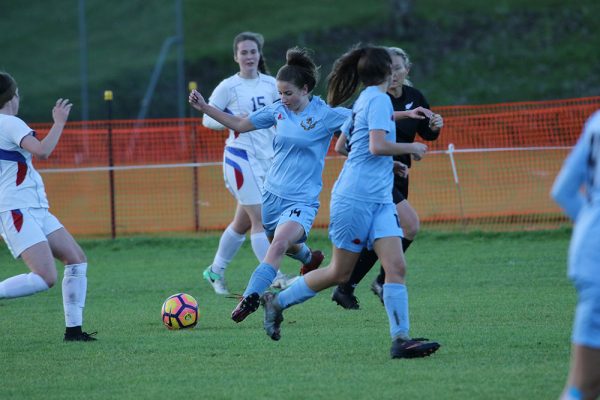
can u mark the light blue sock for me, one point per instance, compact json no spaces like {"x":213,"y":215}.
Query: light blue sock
{"x":298,"y":293}
{"x":574,"y":393}
{"x":261,"y":279}
{"x":395,"y":299}
{"x":303,"y":255}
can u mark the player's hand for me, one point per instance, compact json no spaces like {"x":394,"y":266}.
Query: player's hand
{"x":419,"y":150}
{"x":61,"y":110}
{"x":436,"y":122}
{"x":400,"y":169}
{"x":196,"y":100}
{"x":423,"y":112}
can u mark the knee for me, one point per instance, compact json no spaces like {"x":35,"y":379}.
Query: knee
{"x":279,"y":246}
{"x":411,"y":229}
{"x":49,"y":275}
{"x":75,"y":257}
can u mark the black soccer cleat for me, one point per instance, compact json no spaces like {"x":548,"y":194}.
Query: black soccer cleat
{"x":345,"y":299}
{"x":245,"y":307}
{"x":80,"y":337}
{"x":413,"y":348}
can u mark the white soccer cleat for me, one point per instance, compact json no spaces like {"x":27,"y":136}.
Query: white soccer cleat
{"x":216,"y":281}
{"x":283,"y":281}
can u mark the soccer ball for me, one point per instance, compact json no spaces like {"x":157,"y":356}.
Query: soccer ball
{"x":180,"y":311}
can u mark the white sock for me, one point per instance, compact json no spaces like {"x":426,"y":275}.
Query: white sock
{"x":260,"y":245}
{"x":230,"y":243}
{"x":22,"y":285}
{"x":74,"y":288}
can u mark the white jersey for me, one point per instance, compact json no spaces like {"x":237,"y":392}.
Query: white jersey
{"x":239,"y":96}
{"x":582,"y":170}
{"x":21,"y":185}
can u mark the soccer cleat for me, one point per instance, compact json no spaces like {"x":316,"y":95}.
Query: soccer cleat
{"x":283,"y":281}
{"x":215,"y":280}
{"x":345,"y":299}
{"x":413,"y":348}
{"x":80,"y":337}
{"x":273,"y":315}
{"x":316,"y":259}
{"x":377,"y":288}
{"x":245,"y":307}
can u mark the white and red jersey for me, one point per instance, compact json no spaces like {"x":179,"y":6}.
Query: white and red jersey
{"x":21,"y":186}
{"x":239,"y":96}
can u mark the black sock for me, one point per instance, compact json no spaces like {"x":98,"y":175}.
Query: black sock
{"x":405,"y":244}
{"x":365,"y":262}
{"x":73,"y":330}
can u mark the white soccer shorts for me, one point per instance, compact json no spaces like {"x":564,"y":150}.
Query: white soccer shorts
{"x":22,"y":228}
{"x":244,"y":175}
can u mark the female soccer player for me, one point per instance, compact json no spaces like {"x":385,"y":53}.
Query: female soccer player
{"x":404,"y":97}
{"x":582,"y":170}
{"x":362,"y":211}
{"x":304,"y":127}
{"x":30,"y":231}
{"x":246,"y":158}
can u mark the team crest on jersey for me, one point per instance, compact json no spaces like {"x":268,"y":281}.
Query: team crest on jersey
{"x":308,"y":124}
{"x":280,"y":116}
{"x":408,"y":106}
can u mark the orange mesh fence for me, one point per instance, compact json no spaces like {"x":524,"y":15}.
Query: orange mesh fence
{"x":491,"y":168}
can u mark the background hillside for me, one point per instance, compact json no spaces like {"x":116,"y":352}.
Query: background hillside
{"x":463,"y":52}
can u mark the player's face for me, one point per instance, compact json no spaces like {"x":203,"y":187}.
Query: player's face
{"x":247,"y":56}
{"x":399,"y":72}
{"x":292,"y":96}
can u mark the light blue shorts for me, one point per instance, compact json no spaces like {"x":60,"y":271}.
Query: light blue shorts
{"x":277,"y":211}
{"x":586,"y":328}
{"x":357,"y":224}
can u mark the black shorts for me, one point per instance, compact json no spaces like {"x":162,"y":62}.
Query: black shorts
{"x":400,"y":190}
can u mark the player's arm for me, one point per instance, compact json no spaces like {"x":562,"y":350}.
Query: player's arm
{"x":219,"y":99}
{"x":566,"y":188}
{"x":381,"y":147}
{"x":234,"y":122}
{"x":42,"y":149}
{"x":340,"y":145}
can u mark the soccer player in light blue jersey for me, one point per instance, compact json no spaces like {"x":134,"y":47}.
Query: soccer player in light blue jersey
{"x":581,"y":170}
{"x":362,"y":210}
{"x":304,"y":127}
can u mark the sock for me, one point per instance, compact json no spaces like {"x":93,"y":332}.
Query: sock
{"x":261,"y":279}
{"x":229,"y":244}
{"x":260,"y":245}
{"x":365,"y":262}
{"x":573,"y":393}
{"x":303,"y":255}
{"x":298,"y":293}
{"x":395,"y":299}
{"x":22,"y":285}
{"x":74,"y":288}
{"x":405,"y":244}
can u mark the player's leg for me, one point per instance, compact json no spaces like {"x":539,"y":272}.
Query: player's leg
{"x":229,"y":244}
{"x":305,"y":288}
{"x":409,"y":222}
{"x":584,"y":375}
{"x":264,"y":274}
{"x":74,"y":284}
{"x":25,"y":238}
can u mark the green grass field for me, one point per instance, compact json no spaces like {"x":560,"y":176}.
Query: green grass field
{"x":500,"y":305}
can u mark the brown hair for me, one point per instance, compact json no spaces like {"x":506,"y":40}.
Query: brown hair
{"x":8,"y":88}
{"x":369,"y":65}
{"x":260,"y":42}
{"x":299,"y":69}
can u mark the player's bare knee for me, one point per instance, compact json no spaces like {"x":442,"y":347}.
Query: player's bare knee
{"x":279,"y":246}
{"x":49,"y":276}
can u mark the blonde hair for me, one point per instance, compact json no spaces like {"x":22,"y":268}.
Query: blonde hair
{"x":397,"y":51}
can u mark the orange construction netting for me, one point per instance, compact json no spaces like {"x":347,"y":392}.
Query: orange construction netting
{"x":491,"y":168}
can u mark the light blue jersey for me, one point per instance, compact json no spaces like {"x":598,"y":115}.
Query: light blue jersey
{"x":365,"y":176}
{"x":301,"y":143}
{"x":582,"y":169}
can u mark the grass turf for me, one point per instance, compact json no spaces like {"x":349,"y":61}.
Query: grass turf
{"x":499,"y":304}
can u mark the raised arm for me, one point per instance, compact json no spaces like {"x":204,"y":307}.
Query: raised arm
{"x":234,"y":122}
{"x":42,"y":149}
